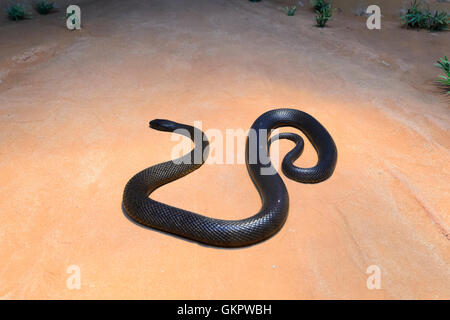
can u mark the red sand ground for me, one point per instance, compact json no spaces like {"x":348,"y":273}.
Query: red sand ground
{"x":74,"y":112}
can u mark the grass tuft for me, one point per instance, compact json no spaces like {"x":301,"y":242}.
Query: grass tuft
{"x":290,"y":11}
{"x":444,"y":80}
{"x":417,"y":18}
{"x":44,"y":7}
{"x":320,"y":4}
{"x":323,"y":12}
{"x":17,"y":12}
{"x":439,"y":21}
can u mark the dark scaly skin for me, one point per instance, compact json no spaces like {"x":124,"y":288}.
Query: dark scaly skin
{"x":274,"y":196}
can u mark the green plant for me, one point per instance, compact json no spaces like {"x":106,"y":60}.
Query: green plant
{"x":444,"y":80}
{"x":17,"y":12}
{"x":44,"y":7}
{"x":290,"y":11}
{"x":438,"y":21}
{"x":416,"y":18}
{"x":319,"y":5}
{"x":323,"y":15}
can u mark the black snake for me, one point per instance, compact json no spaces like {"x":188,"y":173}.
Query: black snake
{"x":274,"y":196}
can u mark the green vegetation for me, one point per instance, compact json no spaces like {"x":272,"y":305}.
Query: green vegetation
{"x":323,"y":12}
{"x":319,"y":5}
{"x":290,"y":11}
{"x":438,"y":21}
{"x":17,"y":12}
{"x":416,"y":18}
{"x":444,"y":80}
{"x":44,"y":7}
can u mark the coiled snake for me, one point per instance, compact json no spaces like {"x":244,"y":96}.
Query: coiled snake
{"x":274,"y":196}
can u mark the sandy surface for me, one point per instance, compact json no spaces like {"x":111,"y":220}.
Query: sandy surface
{"x":74,"y":112}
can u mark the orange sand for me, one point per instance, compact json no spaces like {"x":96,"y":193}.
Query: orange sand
{"x":74,"y":112}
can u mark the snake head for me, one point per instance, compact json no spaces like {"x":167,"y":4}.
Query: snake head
{"x":163,"y":125}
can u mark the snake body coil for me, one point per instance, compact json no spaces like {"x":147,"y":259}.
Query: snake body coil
{"x":274,"y":196}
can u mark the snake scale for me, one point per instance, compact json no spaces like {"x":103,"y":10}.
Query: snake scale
{"x":274,"y":196}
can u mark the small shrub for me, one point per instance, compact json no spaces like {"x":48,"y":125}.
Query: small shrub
{"x":319,"y":5}
{"x":417,"y":19}
{"x":438,"y":21}
{"x":444,"y":80}
{"x":17,"y":12}
{"x":414,"y":17}
{"x":323,"y":15}
{"x":44,"y":7}
{"x":290,"y":11}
